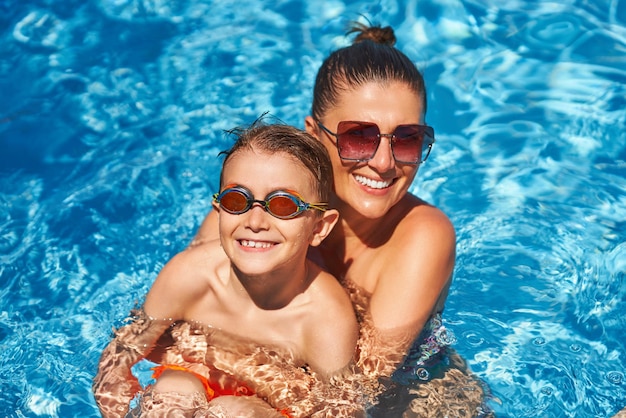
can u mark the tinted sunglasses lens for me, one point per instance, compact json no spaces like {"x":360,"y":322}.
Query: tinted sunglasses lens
{"x":357,"y":140}
{"x":283,"y":206}
{"x":407,"y":145}
{"x":234,"y":201}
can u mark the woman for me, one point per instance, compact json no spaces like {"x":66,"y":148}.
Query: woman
{"x":392,"y":250}
{"x":389,"y":246}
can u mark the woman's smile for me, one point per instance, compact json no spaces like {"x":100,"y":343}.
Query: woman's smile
{"x":371,"y":183}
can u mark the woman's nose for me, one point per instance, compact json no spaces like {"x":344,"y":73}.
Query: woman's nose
{"x":383,"y":160}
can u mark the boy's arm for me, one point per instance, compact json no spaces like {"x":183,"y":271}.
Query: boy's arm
{"x":343,"y":388}
{"x":173,"y":290}
{"x":332,"y":332}
{"x":331,"y":340}
{"x":114,"y":386}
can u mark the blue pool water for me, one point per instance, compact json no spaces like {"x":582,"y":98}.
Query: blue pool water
{"x":110,"y":123}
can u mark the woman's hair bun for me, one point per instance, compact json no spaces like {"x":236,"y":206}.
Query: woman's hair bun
{"x":374,"y":33}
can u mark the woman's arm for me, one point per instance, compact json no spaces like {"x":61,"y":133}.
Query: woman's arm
{"x":415,"y":272}
{"x":208,"y":230}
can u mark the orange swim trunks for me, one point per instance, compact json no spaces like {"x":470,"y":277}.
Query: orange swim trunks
{"x":212,"y":390}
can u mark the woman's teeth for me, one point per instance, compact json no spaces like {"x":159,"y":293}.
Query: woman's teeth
{"x":374,"y":184}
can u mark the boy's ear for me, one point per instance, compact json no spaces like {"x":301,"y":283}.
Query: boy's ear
{"x":324,"y":225}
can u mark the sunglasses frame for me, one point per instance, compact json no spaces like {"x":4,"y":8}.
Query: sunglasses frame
{"x":301,"y":205}
{"x":429,"y":133}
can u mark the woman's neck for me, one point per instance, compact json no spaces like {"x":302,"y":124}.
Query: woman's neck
{"x":355,"y":229}
{"x":355,"y":233}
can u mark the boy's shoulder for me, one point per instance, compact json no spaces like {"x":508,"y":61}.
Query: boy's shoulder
{"x":197,"y":264}
{"x":184,"y":280}
{"x":329,"y":297}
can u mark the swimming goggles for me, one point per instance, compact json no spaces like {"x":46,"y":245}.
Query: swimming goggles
{"x":358,"y":141}
{"x":282,"y":204}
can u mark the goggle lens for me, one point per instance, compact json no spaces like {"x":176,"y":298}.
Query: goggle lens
{"x":233,"y":201}
{"x":282,"y":206}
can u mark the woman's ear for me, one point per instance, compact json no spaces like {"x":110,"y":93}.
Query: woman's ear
{"x":324,"y":224}
{"x":311,"y":126}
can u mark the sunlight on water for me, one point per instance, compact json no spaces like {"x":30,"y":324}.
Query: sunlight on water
{"x":112,"y":120}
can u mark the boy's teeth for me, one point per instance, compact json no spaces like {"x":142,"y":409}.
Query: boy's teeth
{"x":255,"y":244}
{"x":374,"y":184}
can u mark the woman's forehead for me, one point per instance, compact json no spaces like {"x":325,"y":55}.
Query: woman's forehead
{"x":393,"y":103}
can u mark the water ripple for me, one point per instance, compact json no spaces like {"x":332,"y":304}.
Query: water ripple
{"x":113,"y":118}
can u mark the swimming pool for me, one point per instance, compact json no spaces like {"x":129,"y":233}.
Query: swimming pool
{"x":110,"y":123}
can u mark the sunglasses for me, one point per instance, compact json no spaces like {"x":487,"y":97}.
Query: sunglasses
{"x":358,"y":141}
{"x":282,"y":204}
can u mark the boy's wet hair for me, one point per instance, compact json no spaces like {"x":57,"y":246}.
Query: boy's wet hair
{"x":281,"y":138}
{"x":372,"y":57}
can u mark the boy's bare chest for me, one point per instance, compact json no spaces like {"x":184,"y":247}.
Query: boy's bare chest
{"x":246,"y":321}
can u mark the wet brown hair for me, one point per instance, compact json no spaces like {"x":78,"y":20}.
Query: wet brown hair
{"x":372,"y":57}
{"x":300,"y":145}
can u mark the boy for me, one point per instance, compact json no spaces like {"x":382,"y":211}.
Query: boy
{"x":248,"y":312}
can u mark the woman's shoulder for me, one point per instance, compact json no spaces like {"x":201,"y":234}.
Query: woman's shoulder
{"x":420,"y":219}
{"x":422,"y":234}
{"x":207,"y":251}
